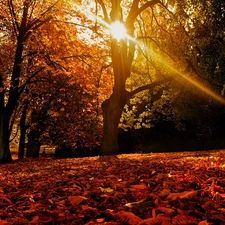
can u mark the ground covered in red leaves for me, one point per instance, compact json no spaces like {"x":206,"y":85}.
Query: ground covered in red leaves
{"x":138,"y":189}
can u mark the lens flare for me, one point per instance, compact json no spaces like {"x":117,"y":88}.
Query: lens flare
{"x":118,"y":30}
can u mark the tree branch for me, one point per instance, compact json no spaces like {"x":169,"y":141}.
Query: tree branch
{"x":106,"y":18}
{"x":28,"y":80}
{"x":35,"y":26}
{"x":152,"y":39}
{"x":13,"y":15}
{"x":135,"y":11}
{"x":147,"y":86}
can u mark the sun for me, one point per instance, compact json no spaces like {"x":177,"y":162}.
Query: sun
{"x":118,"y":30}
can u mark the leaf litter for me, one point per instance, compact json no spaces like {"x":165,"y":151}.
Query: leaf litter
{"x":137,"y":189}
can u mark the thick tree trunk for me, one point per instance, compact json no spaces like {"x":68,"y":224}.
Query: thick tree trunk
{"x":112,"y":110}
{"x":123,"y":52}
{"x":33,"y":145}
{"x":7,"y":111}
{"x":5,"y":155}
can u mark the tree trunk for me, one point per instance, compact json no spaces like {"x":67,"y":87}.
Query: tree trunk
{"x":5,"y":155}
{"x":33,"y":145}
{"x":13,"y":96}
{"x":23,"y":129}
{"x":112,"y":110}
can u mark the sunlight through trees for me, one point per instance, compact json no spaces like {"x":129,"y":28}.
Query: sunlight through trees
{"x":79,"y":70}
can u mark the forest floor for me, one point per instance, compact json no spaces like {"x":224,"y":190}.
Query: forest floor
{"x":185,"y":188}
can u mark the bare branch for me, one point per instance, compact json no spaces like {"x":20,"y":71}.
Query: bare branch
{"x":152,"y":39}
{"x":131,"y":17}
{"x":106,"y":18}
{"x":147,"y":86}
{"x":13,"y":15}
{"x":135,"y":11}
{"x":28,"y":80}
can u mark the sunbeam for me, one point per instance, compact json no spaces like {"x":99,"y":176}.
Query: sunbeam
{"x":157,"y":57}
{"x":164,"y":62}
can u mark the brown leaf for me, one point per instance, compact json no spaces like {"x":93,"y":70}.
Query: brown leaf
{"x":140,"y":204}
{"x":204,"y":223}
{"x":6,"y":200}
{"x":185,"y":220}
{"x":165,"y":210}
{"x":35,"y":220}
{"x":216,"y":216}
{"x":185,"y":194}
{"x":4,"y":222}
{"x":45,"y":217}
{"x":104,"y":223}
{"x":139,"y":186}
{"x":164,"y":193}
{"x":90,"y":209}
{"x":127,"y":218}
{"x":155,"y":221}
{"x":153,"y":213}
{"x":76,"y":200}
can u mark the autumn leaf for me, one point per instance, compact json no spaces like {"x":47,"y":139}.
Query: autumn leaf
{"x":140,"y":205}
{"x":90,"y":209}
{"x":35,"y":220}
{"x":185,"y":194}
{"x":76,"y":200}
{"x":139,"y":191}
{"x":204,"y":223}
{"x":107,"y":190}
{"x":139,"y":186}
{"x":155,"y":221}
{"x":45,"y":217}
{"x":165,"y":192}
{"x":165,"y":210}
{"x":127,"y":218}
{"x":4,"y":222}
{"x":3,"y":198}
{"x":185,"y":220}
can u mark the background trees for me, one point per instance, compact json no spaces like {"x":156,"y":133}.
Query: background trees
{"x":20,"y":21}
{"x":194,"y":41}
{"x":42,"y":41}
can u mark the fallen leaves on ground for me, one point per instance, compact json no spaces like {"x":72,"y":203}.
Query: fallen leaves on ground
{"x":137,"y":189}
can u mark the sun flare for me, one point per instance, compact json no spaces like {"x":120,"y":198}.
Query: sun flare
{"x":118,"y":30}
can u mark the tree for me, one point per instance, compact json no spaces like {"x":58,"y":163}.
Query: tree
{"x":23,"y":129}
{"x":48,"y":47}
{"x":210,"y":43}
{"x":21,"y":21}
{"x":197,"y":39}
{"x":138,"y":17}
{"x":64,"y":97}
{"x":122,"y":55}
{"x":63,"y":116}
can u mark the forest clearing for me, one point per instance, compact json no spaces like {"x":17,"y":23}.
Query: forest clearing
{"x":185,"y":188}
{"x":104,"y":78}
